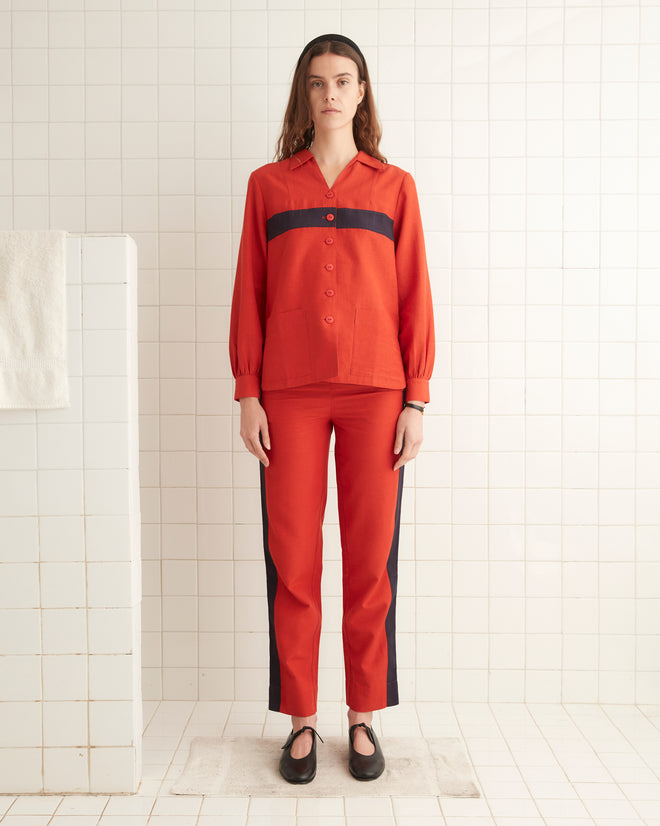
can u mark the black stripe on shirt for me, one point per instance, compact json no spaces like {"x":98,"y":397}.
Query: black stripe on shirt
{"x":344,"y":218}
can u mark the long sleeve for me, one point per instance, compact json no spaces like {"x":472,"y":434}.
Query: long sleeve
{"x":416,"y":327}
{"x":248,"y":309}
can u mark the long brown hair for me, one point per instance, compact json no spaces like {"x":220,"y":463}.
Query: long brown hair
{"x":298,"y":128}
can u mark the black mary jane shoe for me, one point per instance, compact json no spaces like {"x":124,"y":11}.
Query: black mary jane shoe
{"x":299,"y":769}
{"x":365,"y":766}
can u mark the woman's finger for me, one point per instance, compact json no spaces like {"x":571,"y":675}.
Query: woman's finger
{"x":410,"y":451}
{"x":398,"y":440}
{"x":403,"y":454}
{"x":265,"y":435}
{"x":255,"y":447}
{"x":403,"y":458}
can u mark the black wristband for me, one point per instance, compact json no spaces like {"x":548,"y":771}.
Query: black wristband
{"x":416,"y":406}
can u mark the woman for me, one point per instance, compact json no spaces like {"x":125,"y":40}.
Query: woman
{"x":331,"y":328}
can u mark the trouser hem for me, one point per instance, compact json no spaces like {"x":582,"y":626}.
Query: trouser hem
{"x":291,"y":712}
{"x":365,"y":706}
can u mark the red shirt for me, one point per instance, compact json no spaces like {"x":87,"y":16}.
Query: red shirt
{"x":332,"y":283}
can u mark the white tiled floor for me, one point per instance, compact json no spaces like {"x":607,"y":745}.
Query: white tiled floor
{"x":536,"y":764}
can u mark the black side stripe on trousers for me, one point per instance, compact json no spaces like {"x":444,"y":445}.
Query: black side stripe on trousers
{"x":343,"y":218}
{"x":390,"y":620}
{"x":275,"y":684}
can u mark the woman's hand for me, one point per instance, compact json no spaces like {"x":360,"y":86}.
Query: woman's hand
{"x":409,"y":431}
{"x":254,"y":424}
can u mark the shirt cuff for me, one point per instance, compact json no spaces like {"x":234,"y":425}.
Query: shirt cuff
{"x":418,"y":389}
{"x":247,"y":385}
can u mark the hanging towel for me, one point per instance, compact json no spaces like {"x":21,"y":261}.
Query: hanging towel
{"x":33,"y":346}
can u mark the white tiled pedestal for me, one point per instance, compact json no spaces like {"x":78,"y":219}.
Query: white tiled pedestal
{"x":70,"y":589}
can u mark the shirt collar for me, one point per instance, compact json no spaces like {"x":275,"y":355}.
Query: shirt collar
{"x":369,"y":160}
{"x":302,"y":157}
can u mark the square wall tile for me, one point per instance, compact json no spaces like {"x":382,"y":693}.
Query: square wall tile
{"x":65,"y":724}
{"x":111,"y":630}
{"x":20,"y":539}
{"x":66,"y":769}
{"x":109,"y":584}
{"x":18,"y":446}
{"x":108,"y":537}
{"x":60,"y":492}
{"x":65,"y":677}
{"x":20,"y":725}
{"x":62,"y":585}
{"x":113,"y":771}
{"x":19,"y":585}
{"x":59,"y":446}
{"x":20,"y":631}
{"x":107,"y":445}
{"x":20,"y":678}
{"x":111,"y":723}
{"x":61,"y":539}
{"x":110,"y":677}
{"x":20,"y":770}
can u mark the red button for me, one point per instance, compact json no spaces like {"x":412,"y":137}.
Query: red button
{"x":330,"y":293}
{"x":329,"y":267}
{"x":330,"y":194}
{"x":329,"y":240}
{"x":330,"y":319}
{"x":330,"y":216}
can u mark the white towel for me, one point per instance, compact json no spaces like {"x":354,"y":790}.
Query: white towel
{"x":33,"y":346}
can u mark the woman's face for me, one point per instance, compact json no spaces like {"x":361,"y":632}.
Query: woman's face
{"x":333,"y":90}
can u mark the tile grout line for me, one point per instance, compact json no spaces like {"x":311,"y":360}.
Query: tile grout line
{"x":617,"y":726}
{"x":471,"y":761}
{"x":526,"y":708}
{"x":640,"y":708}
{"x":421,"y":731}
{"x":576,"y":723}
{"x":559,"y":761}
{"x":158,"y":795}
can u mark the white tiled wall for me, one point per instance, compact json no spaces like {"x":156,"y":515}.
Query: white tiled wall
{"x":531,"y":521}
{"x":70,"y":704}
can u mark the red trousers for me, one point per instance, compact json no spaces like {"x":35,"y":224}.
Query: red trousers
{"x":293,"y":490}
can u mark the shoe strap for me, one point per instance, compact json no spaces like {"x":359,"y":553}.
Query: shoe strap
{"x":369,"y":731}
{"x":293,"y":735}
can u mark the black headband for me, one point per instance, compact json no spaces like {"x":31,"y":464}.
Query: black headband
{"x":323,"y":37}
